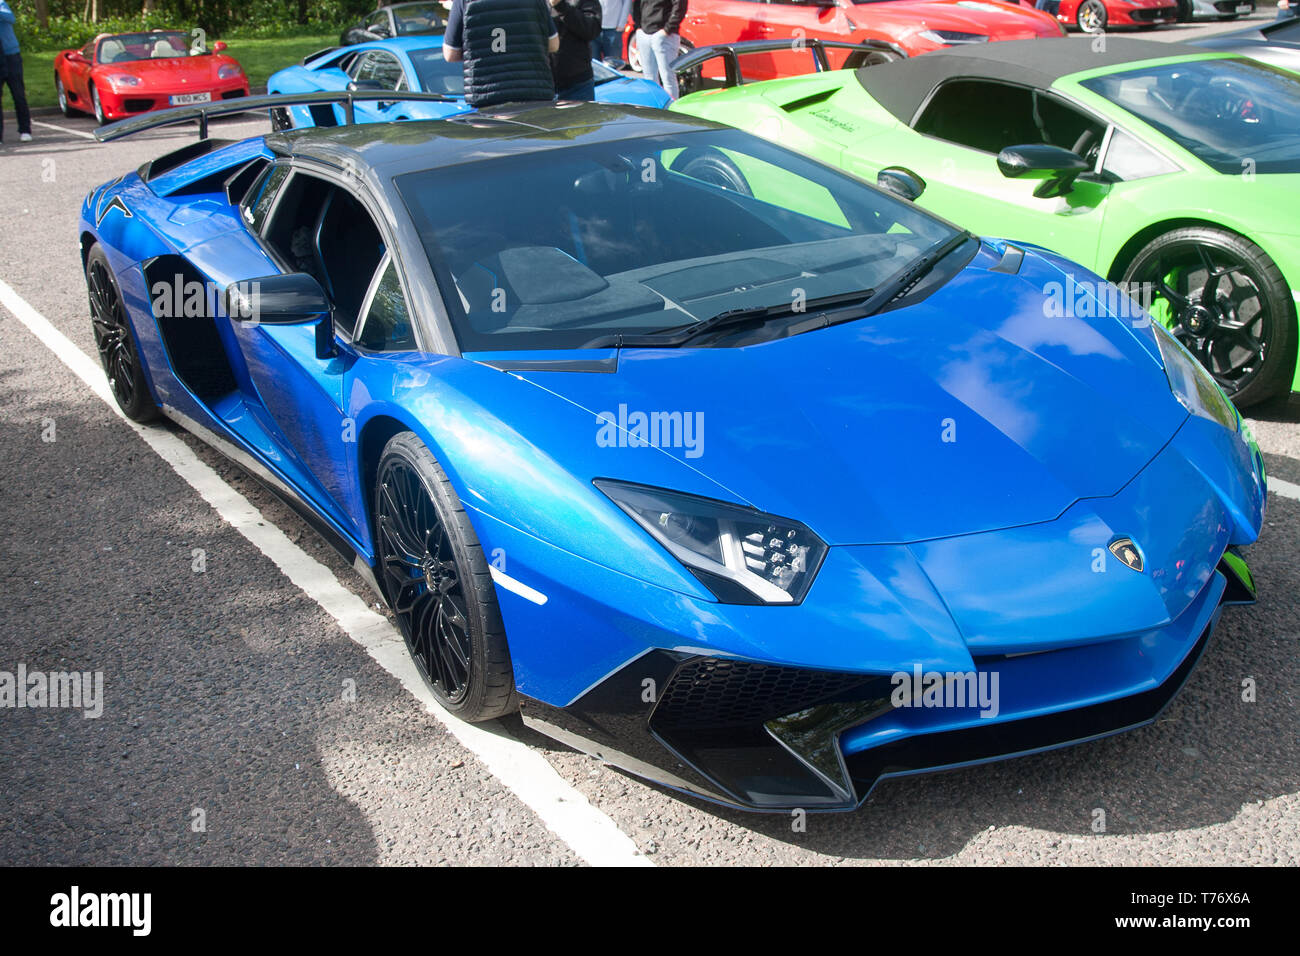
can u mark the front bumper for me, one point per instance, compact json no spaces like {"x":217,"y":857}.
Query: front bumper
{"x":134,"y":101}
{"x":773,"y":708}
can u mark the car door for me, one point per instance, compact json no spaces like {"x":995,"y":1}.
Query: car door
{"x":954,"y":145}
{"x":79,"y":80}
{"x":320,"y":226}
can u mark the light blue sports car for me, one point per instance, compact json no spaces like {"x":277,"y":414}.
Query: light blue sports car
{"x":413,"y":64}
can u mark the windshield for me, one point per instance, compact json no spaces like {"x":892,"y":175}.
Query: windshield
{"x":128,"y":47}
{"x":418,"y":17}
{"x":565,"y":247}
{"x":1232,"y":114}
{"x":435,"y":74}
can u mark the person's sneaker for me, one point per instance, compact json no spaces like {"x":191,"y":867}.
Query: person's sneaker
{"x":26,"y":137}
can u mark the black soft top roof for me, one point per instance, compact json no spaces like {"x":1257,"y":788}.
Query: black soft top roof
{"x":902,"y":86}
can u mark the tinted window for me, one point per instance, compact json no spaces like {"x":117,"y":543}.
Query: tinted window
{"x":262,"y":197}
{"x":1232,"y":114}
{"x":387,"y":325}
{"x":381,"y":68}
{"x":559,"y":248}
{"x":992,"y":116}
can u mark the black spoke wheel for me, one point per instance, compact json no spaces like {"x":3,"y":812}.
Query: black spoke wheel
{"x":1226,"y":301}
{"x":437,"y":582}
{"x":115,"y":341}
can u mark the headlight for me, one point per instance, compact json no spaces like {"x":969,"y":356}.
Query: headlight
{"x":1191,"y":383}
{"x":742,"y":556}
{"x":228,"y":71}
{"x":953,"y":37}
{"x":123,"y":79}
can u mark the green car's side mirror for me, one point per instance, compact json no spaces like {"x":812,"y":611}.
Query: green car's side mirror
{"x":901,"y":182}
{"x":1056,"y":167}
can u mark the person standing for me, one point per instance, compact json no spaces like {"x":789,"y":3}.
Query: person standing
{"x":504,"y":45}
{"x":578,"y":23}
{"x":11,"y":75}
{"x":608,"y":45}
{"x":657,"y":38}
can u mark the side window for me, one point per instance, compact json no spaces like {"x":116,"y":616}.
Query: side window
{"x":323,"y":230}
{"x":257,"y":205}
{"x":387,"y":323}
{"x":989,"y":116}
{"x":1128,"y":158}
{"x":980,"y":115}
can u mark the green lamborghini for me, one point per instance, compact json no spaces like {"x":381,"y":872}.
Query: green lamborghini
{"x":1170,"y":171}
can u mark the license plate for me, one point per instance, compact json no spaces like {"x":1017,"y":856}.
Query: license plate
{"x":185,"y":99}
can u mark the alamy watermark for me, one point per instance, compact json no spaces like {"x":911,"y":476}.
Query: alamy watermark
{"x":635,"y":429}
{"x":947,"y":689}
{"x":38,"y":690}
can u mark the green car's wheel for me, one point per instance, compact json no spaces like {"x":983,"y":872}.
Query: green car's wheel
{"x":1092,"y":16}
{"x":1225,"y":299}
{"x":437,"y":581}
{"x":712,"y":166}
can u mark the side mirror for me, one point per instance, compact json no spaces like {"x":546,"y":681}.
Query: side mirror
{"x":1056,"y":167}
{"x":901,"y":182}
{"x":284,"y":300}
{"x":219,"y":47}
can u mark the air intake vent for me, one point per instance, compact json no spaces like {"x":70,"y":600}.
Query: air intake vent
{"x":804,"y":102}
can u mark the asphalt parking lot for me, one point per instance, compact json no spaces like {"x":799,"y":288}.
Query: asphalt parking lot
{"x":258,"y":709}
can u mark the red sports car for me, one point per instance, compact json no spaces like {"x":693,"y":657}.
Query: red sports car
{"x":1097,"y":16}
{"x":120,"y":75}
{"x":917,"y":26}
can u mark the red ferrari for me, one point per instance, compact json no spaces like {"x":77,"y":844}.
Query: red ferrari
{"x":120,"y":75}
{"x":1097,"y":16}
{"x":917,"y":26}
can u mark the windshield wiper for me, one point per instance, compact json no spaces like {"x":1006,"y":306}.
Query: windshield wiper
{"x":906,"y":279}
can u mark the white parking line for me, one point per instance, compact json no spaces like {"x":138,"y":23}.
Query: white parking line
{"x":1285,"y":488}
{"x":64,"y":129}
{"x":591,"y":834}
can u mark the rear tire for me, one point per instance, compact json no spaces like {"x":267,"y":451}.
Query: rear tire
{"x":62,"y":93}
{"x":438,"y":583}
{"x":1227,"y":301}
{"x":119,"y":352}
{"x":712,"y":166}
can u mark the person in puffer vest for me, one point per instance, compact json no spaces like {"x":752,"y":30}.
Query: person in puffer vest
{"x":504,"y":45}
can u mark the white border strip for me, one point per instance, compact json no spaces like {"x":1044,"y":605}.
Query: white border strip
{"x":591,"y":834}
{"x":66,"y":129}
{"x":1279,"y":487}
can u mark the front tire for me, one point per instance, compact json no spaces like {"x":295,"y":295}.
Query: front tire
{"x":1092,"y":16}
{"x":118,"y":352}
{"x":1227,"y":301}
{"x":438,"y":584}
{"x":97,"y":107}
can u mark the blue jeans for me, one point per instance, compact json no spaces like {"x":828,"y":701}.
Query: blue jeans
{"x":607,"y":45}
{"x":657,"y":51}
{"x":585,"y":90}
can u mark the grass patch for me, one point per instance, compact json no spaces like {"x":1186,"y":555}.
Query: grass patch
{"x":260,"y":58}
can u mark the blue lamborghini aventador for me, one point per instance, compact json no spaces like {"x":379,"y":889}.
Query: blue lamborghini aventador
{"x":743,"y":474}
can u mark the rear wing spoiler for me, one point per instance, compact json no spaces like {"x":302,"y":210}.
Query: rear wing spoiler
{"x":251,"y":104}
{"x":863,"y":53}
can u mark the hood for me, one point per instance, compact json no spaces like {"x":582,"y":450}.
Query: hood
{"x":976,"y":409}
{"x":169,"y":72}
